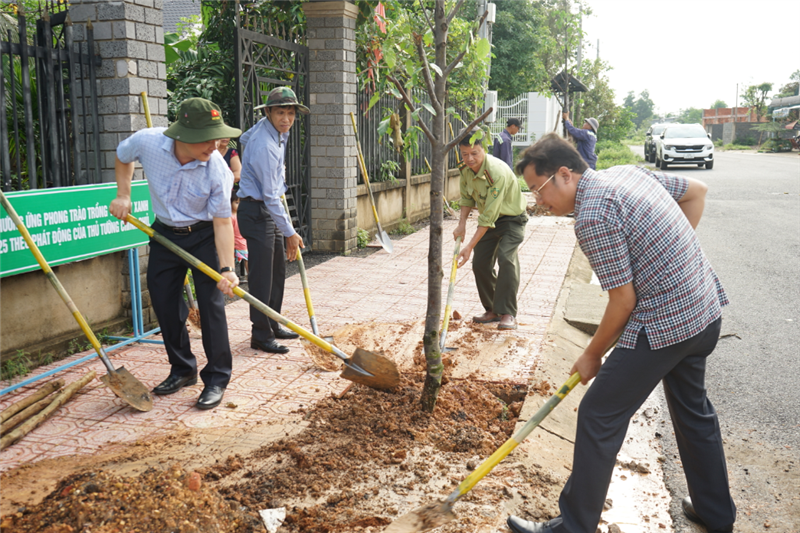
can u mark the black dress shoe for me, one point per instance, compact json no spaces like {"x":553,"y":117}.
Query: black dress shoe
{"x":210,"y":397}
{"x":174,"y":383}
{"x":518,"y":525}
{"x":691,"y":514}
{"x":269,"y":346}
{"x":283,"y":333}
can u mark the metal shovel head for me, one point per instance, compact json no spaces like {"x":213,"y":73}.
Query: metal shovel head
{"x":423,"y":518}
{"x":385,"y":241}
{"x":129,"y":389}
{"x":384,"y":371}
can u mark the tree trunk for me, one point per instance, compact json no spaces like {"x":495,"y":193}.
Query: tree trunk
{"x":433,"y":356}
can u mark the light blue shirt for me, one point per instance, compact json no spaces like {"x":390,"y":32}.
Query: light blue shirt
{"x":263,"y":174}
{"x":182,"y":195}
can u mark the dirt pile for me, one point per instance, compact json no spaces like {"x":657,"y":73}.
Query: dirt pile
{"x":365,"y":458}
{"x":156,"y":500}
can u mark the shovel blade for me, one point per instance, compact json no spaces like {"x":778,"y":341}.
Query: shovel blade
{"x":385,"y":241}
{"x":384,"y":371}
{"x":423,"y":518}
{"x":129,"y":389}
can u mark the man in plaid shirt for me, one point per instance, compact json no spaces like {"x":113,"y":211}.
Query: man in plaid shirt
{"x":636,"y":227}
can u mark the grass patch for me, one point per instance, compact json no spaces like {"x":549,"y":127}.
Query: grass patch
{"x":21,"y":364}
{"x":732,"y":146}
{"x":404,"y":228}
{"x":611,"y":154}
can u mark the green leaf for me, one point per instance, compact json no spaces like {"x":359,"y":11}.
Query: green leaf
{"x":428,"y":39}
{"x":429,"y":107}
{"x":184,"y":46}
{"x":395,"y":93}
{"x":483,"y":48}
{"x":389,"y":57}
{"x":383,"y":127}
{"x":373,"y":100}
{"x":170,"y":55}
{"x":436,"y":69}
{"x":171,"y":38}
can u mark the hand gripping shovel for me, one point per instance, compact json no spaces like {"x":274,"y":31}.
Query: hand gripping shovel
{"x":451,"y":289}
{"x":382,"y":237}
{"x":363,"y":367}
{"x":437,"y":514}
{"x":120,"y":381}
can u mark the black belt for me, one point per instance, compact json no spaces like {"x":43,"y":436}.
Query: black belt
{"x":251,"y":199}
{"x":186,"y":230}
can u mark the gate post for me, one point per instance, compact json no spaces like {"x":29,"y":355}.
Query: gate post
{"x":332,"y":75}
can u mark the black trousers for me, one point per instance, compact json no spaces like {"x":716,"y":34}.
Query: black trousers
{"x":266,"y":262}
{"x":624,"y":382}
{"x":165,"y":275}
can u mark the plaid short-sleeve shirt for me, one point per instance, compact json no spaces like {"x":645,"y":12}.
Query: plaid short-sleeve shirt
{"x":630,"y":227}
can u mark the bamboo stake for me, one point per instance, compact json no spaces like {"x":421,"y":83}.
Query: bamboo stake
{"x":32,"y":423}
{"x":25,"y":414}
{"x":45,"y":390}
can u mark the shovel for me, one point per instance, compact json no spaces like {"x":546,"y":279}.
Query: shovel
{"x":451,"y":289}
{"x":122,"y":382}
{"x":382,"y":236}
{"x":363,"y":367}
{"x":306,"y":290}
{"x":437,"y":514}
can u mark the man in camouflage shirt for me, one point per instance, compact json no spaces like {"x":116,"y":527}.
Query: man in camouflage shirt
{"x":488,"y":185}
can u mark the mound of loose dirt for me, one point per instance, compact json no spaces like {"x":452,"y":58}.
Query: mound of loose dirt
{"x":365,"y":458}
{"x":156,"y":500}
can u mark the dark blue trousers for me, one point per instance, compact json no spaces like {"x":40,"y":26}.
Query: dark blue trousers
{"x":624,"y":382}
{"x":165,"y":275}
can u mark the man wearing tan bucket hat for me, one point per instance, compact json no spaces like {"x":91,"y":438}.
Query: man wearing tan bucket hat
{"x":190,"y":187}
{"x":263,"y":222}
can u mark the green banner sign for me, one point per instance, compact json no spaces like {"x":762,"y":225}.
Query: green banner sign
{"x":69,"y":224}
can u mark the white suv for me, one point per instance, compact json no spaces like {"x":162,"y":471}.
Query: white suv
{"x":685,"y":144}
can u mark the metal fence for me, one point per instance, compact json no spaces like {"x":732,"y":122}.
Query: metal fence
{"x":378,"y":149}
{"x":49,"y":123}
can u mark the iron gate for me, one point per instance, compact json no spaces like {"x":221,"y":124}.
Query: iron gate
{"x":264,"y":62}
{"x":49,"y":125}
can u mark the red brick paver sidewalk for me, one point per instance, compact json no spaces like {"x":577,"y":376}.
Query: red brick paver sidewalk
{"x":382,"y":288}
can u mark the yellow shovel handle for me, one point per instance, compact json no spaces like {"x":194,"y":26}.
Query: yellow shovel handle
{"x":514,"y":441}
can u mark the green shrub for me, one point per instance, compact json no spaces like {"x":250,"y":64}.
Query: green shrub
{"x":523,"y":185}
{"x":718,"y":143}
{"x":16,"y":365}
{"x":612,"y":154}
{"x":362,"y":238}
{"x":388,"y":171}
{"x":731,"y":146}
{"x":404,"y":228}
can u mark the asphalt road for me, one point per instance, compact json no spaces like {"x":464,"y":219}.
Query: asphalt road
{"x":750,"y":232}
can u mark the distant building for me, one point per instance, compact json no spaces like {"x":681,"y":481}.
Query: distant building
{"x":174,"y":10}
{"x":724,"y":115}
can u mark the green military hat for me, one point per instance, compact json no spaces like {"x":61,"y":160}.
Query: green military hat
{"x":283,"y":97}
{"x":199,"y":121}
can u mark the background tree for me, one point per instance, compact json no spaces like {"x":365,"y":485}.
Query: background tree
{"x":519,"y":37}
{"x":755,"y":96}
{"x":641,"y":107}
{"x":598,"y":102}
{"x":691,"y":115}
{"x":792,"y":88}
{"x":719,"y":104}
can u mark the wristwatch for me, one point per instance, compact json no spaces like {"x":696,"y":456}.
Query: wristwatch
{"x":225,"y":269}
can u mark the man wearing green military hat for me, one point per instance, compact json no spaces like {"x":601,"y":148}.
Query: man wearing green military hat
{"x":190,"y":187}
{"x":263,"y":222}
{"x":488,"y":185}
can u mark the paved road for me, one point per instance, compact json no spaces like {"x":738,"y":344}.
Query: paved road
{"x":751,"y":234}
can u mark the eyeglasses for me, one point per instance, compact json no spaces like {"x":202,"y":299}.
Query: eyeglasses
{"x":536,"y":195}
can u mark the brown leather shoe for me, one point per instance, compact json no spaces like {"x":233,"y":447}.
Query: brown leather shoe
{"x":507,"y":322}
{"x":485,"y":318}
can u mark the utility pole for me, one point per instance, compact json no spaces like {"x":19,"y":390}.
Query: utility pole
{"x":735,"y":112}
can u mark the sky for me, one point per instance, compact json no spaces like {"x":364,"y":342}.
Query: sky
{"x":689,"y":53}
